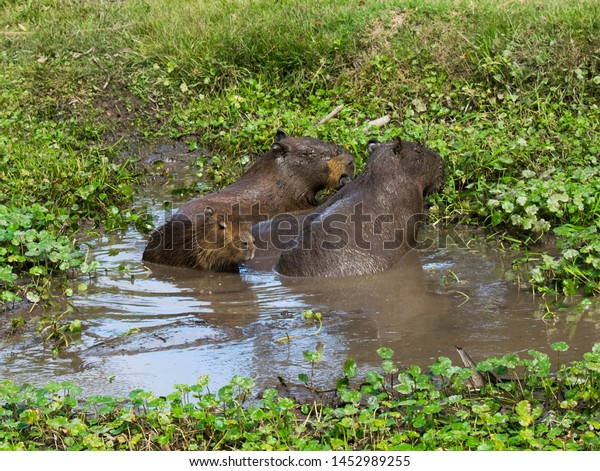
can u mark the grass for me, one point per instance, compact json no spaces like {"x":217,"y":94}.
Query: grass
{"x":222,"y":43}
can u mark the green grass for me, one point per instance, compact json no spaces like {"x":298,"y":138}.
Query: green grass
{"x":224,"y":42}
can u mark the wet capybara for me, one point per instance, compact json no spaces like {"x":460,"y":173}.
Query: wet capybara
{"x":286,"y":178}
{"x":272,"y":236}
{"x":215,"y":241}
{"x":372,"y":222}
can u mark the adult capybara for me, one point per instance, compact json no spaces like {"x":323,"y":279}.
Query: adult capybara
{"x":372,"y":222}
{"x":214,"y":241}
{"x":285,"y":179}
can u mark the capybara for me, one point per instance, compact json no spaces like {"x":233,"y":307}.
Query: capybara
{"x":372,"y":222}
{"x":214,"y":241}
{"x":285,"y":179}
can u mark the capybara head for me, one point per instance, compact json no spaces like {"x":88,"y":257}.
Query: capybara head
{"x":215,"y":241}
{"x":415,"y":161}
{"x":312,"y":162}
{"x":376,"y":216}
{"x":226,"y":240}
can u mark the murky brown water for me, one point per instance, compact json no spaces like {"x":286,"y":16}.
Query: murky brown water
{"x":155,"y":328}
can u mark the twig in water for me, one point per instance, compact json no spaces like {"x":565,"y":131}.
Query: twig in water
{"x":478,"y":379}
{"x":463,"y":294}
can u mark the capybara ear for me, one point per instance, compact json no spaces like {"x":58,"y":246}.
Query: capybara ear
{"x":397,"y":146}
{"x":280,"y":134}
{"x":209,"y":211}
{"x":277,"y":149}
{"x":372,"y":145}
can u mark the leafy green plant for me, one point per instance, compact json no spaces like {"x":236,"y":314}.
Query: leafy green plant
{"x":58,"y":332}
{"x":314,"y":358}
{"x":528,"y":408}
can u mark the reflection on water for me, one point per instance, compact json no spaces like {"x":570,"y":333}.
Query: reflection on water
{"x":153,"y":327}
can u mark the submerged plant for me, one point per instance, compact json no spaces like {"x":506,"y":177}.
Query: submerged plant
{"x":310,"y":317}
{"x":58,"y":332}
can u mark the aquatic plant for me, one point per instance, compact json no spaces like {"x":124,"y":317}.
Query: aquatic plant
{"x":525,"y":407}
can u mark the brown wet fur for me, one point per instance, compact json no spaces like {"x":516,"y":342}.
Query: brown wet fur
{"x":285,"y":179}
{"x":215,"y":241}
{"x":372,"y":222}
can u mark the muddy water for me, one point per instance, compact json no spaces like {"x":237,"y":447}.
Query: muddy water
{"x":153,"y":327}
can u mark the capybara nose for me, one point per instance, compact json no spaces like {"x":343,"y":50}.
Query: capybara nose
{"x":248,"y":244}
{"x":351,"y":168}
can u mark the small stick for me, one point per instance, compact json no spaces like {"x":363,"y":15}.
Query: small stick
{"x":478,"y":379}
{"x":505,"y":4}
{"x":77,"y":55}
{"x":336,"y":110}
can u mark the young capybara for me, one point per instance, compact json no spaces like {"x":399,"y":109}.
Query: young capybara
{"x":215,"y":241}
{"x":285,"y":179}
{"x":372,"y":222}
